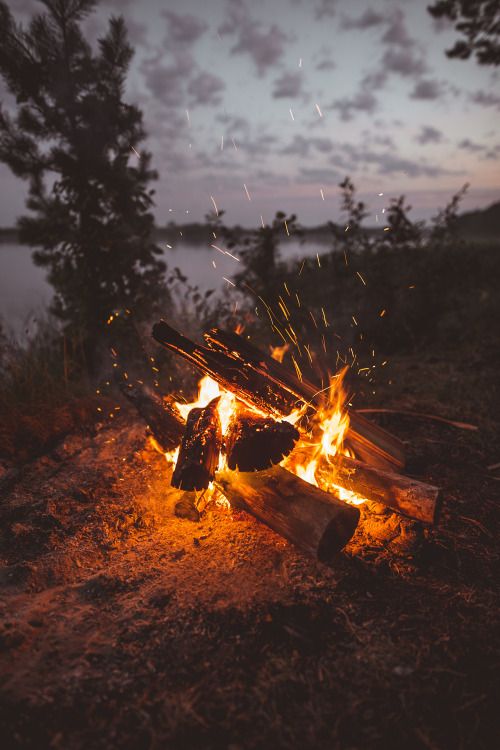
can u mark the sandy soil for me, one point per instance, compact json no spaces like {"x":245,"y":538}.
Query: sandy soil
{"x":123,"y":626}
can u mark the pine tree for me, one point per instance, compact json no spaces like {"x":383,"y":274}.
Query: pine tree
{"x":73,"y":139}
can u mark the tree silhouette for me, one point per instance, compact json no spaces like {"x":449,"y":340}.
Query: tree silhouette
{"x":72,"y":138}
{"x":479,"y":22}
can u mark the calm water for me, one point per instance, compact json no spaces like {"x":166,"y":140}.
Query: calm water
{"x":24,"y":291}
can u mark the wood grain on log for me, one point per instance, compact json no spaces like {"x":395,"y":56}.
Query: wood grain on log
{"x":165,"y":422}
{"x":200,"y":449}
{"x":314,"y":520}
{"x":255,"y":443}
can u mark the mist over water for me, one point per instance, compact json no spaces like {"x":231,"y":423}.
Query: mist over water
{"x":24,"y":292}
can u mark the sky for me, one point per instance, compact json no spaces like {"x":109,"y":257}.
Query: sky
{"x":257,"y":106}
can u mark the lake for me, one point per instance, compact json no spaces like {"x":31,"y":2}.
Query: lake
{"x":24,"y":291}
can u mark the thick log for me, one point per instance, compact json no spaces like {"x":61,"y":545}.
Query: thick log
{"x":407,"y":496}
{"x":164,"y":421}
{"x":314,"y":520}
{"x":255,"y":443}
{"x":200,"y":449}
{"x":368,"y":441}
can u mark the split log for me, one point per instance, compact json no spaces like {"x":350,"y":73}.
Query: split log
{"x":200,"y":449}
{"x":271,"y":388}
{"x":314,"y":520}
{"x":368,"y":441}
{"x":407,"y":496}
{"x":164,"y":421}
{"x":410,"y":497}
{"x":255,"y":443}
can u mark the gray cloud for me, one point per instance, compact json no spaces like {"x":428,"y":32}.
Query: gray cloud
{"x":326,"y":65}
{"x":301,"y":146}
{"x":367,"y":20}
{"x":493,"y":154}
{"x":363,"y":101}
{"x":321,"y":176}
{"x":183,"y":29}
{"x":288,"y":85}
{"x":470,"y":146}
{"x":403,"y":62}
{"x":396,"y":32}
{"x":165,"y":82}
{"x":426,"y":89}
{"x":325,"y":9}
{"x":204,"y":89}
{"x":351,"y":156}
{"x":264,"y":47}
{"x":428,"y":134}
{"x":485,"y":100}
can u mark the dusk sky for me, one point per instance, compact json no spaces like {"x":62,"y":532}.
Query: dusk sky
{"x":267,"y":105}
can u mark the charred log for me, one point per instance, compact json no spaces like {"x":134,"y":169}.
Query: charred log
{"x":370,"y":442}
{"x":314,"y":520}
{"x":255,"y":443}
{"x":200,"y":449}
{"x":164,"y":421}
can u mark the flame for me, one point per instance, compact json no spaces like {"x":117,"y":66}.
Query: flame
{"x":322,"y":442}
{"x":278,"y":352}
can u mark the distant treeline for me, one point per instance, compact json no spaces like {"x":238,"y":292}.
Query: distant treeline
{"x":483,"y":224}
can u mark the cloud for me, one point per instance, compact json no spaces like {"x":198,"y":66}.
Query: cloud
{"x":264,"y":47}
{"x":403,"y":62}
{"x":288,"y":85}
{"x":325,"y":9}
{"x":204,"y":89}
{"x":301,"y":146}
{"x":428,"y":134}
{"x":396,"y":32}
{"x":364,"y":101}
{"x":315,"y":176}
{"x":367,"y":20}
{"x":350,"y":156}
{"x":493,"y":154}
{"x":183,"y":29}
{"x":326,"y":65}
{"x":485,"y":100}
{"x":165,"y":82}
{"x":426,"y":88}
{"x":470,"y":146}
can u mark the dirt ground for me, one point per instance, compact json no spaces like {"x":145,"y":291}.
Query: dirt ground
{"x":123,"y":626}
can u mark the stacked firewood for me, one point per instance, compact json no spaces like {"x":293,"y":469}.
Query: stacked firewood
{"x":314,"y":519}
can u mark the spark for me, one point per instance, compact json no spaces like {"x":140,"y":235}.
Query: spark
{"x":298,"y":300}
{"x":362,"y":279}
{"x":213,"y":263}
{"x":222,"y":143}
{"x":308,"y":354}
{"x":380,"y":195}
{"x":319,"y":111}
{"x":347,"y":227}
{"x":234,"y":144}
{"x":297,"y":368}
{"x":302,"y":266}
{"x":383,"y":210}
{"x":284,"y":284}
{"x":317,"y":256}
{"x":411,"y":287}
{"x":135,"y":152}
{"x":382,"y":313}
{"x":314,"y":319}
{"x":300,"y":63}
{"x":345,"y":256}
{"x":376,"y":218}
{"x":324,"y":342}
{"x":284,"y":310}
{"x":215,"y":205}
{"x":286,"y":227}
{"x":246,"y":190}
{"x":218,"y":248}
{"x":291,"y":115}
{"x":324,"y":318}
{"x":386,"y":229}
{"x":228,"y":281}
{"x":322,"y":196}
{"x":262,"y":222}
{"x":355,"y":323}
{"x":169,"y":247}
{"x":189,"y":122}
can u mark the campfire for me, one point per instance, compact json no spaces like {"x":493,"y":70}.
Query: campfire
{"x":298,"y":459}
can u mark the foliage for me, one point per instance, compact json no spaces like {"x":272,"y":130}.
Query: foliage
{"x":352,"y":236}
{"x":71,"y":138}
{"x":479,"y":22}
{"x":44,"y":390}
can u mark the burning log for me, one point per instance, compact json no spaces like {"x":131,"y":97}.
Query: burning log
{"x":164,"y":421}
{"x":370,"y":442}
{"x":254,"y":443}
{"x":314,"y":520}
{"x":262,"y":382}
{"x":407,"y":496}
{"x":200,"y":448}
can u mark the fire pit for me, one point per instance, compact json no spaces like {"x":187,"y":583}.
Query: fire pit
{"x":298,"y":459}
